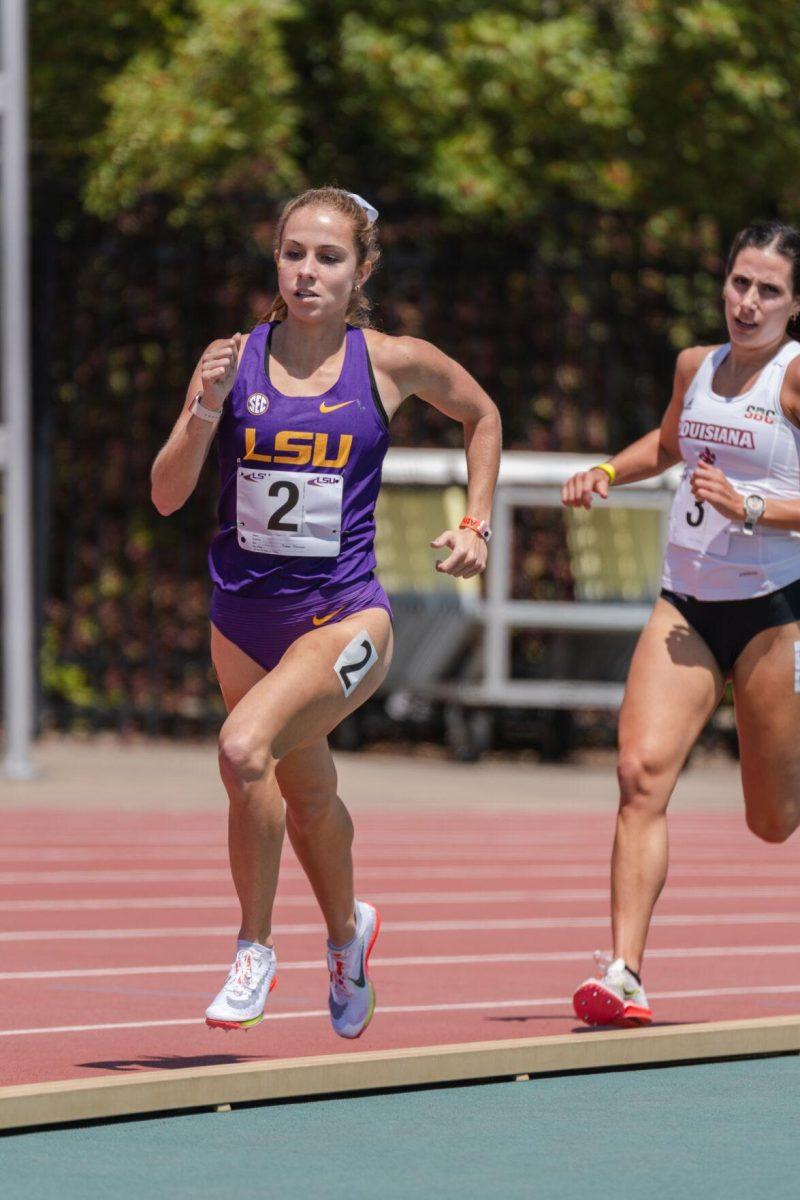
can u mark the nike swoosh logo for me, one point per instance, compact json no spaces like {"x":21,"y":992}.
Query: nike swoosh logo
{"x":328,"y":617}
{"x":362,"y":979}
{"x":627,"y":992}
{"x":328,"y":408}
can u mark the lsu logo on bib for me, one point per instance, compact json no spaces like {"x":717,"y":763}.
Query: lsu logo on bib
{"x":257,"y":403}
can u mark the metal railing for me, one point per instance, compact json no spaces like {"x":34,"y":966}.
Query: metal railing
{"x":529,"y":480}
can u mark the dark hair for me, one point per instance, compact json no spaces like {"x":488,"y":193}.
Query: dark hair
{"x":783,"y":239}
{"x":364,"y":237}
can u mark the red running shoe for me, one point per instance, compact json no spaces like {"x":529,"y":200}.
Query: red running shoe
{"x":616,"y":999}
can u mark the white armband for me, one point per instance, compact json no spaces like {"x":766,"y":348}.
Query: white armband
{"x":198,"y":409}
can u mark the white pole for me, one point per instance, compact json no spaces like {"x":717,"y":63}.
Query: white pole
{"x":18,"y":645}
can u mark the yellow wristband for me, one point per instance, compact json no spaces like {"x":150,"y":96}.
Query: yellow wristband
{"x":609,"y":470}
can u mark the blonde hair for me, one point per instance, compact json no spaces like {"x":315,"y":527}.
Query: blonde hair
{"x":364,"y":237}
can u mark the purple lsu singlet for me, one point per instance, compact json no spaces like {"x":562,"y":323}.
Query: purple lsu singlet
{"x":299,"y":480}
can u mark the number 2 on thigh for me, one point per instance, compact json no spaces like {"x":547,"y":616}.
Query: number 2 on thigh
{"x":355,"y":660}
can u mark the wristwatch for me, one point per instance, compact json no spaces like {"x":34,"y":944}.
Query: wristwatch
{"x":753,"y":511}
{"x":480,"y":527}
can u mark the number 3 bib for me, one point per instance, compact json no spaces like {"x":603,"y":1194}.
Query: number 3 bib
{"x":289,"y":512}
{"x":696,"y":525}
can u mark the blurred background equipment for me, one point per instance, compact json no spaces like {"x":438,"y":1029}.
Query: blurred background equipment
{"x":477,"y":655}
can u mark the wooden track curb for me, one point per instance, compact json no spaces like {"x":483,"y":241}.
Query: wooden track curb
{"x":100,"y":1098}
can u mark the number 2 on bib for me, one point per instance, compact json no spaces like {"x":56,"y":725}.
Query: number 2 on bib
{"x":276,"y":521}
{"x":289,"y":512}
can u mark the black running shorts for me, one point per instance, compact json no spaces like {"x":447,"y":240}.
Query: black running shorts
{"x":726,"y":626}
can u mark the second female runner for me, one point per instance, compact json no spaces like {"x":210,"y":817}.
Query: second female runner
{"x":730,"y":604}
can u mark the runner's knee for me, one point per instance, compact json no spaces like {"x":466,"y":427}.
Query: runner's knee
{"x":243,"y":757}
{"x":638,"y":773}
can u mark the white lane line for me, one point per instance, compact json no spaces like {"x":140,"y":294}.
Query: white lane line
{"x":57,"y":854}
{"x":399,"y":1009}
{"x":154,"y":903}
{"x":382,"y":837}
{"x":47,"y":878}
{"x":472,"y":926}
{"x":433,"y":852}
{"x":430,"y":847}
{"x":500,"y":825}
{"x":442,"y":846}
{"x":434,"y":960}
{"x":482,"y":870}
{"x":307,"y":901}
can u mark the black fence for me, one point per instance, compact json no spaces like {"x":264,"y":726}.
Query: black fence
{"x":573,"y":341}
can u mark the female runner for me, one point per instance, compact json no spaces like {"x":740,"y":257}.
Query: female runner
{"x":730,"y":603}
{"x":301,"y":629}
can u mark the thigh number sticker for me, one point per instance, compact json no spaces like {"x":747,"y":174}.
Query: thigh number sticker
{"x":355,"y":660}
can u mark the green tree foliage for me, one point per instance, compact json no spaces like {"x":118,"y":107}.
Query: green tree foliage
{"x":484,"y":109}
{"x":76,"y":48}
{"x":213,"y":112}
{"x":645,"y":106}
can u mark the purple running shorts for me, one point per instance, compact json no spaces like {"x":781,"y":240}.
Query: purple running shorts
{"x":265,"y":627}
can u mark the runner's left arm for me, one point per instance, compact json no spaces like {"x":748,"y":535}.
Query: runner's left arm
{"x":425,"y":371}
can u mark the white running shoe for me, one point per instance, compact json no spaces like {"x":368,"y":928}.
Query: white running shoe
{"x":615,"y":998}
{"x":252,"y":977}
{"x":352,"y":997}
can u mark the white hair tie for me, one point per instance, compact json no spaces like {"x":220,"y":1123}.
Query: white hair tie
{"x":369,"y":209}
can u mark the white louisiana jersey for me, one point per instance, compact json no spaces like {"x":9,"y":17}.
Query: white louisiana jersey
{"x":751,"y":441}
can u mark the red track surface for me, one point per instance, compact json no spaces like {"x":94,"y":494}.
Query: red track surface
{"x":119,"y":924}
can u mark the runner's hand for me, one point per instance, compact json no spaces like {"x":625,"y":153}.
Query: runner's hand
{"x":468,"y":553}
{"x":218,"y":370}
{"x":579,"y":490}
{"x":710,"y":486}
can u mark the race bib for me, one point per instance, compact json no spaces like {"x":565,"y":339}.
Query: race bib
{"x":289,"y":512}
{"x":696,"y":524}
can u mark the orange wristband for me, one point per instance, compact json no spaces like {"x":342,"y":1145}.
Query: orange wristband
{"x":481,"y":528}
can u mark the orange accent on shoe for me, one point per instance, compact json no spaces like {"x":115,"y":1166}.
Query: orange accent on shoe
{"x":597,"y":1005}
{"x":635,"y":1015}
{"x":245,"y":1025}
{"x":373,"y":940}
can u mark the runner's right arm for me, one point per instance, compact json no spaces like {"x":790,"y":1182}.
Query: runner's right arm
{"x":648,"y":456}
{"x":178,"y":464}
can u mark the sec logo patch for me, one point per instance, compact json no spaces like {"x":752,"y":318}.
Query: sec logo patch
{"x":257,"y":404}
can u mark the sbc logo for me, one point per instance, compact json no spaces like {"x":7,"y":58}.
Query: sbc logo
{"x":754,"y":412}
{"x":257,"y":403}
